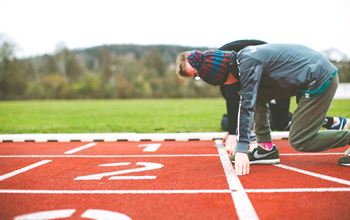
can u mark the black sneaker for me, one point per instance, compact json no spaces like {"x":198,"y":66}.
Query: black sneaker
{"x":345,"y":161}
{"x":261,"y":156}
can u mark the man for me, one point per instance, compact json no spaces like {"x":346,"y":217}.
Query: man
{"x":229,"y":91}
{"x":280,"y":117}
{"x":274,"y":71}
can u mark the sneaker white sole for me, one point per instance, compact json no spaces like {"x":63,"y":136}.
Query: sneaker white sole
{"x":347,"y":125}
{"x":270,"y":161}
{"x":347,"y":165}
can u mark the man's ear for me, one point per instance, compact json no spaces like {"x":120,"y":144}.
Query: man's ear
{"x":230,"y":79}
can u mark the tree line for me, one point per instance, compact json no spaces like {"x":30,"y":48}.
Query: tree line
{"x":108,"y":71}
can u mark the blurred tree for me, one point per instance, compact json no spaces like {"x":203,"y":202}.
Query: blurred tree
{"x":153,"y":60}
{"x":123,"y":88}
{"x":50,"y":65}
{"x":142,"y":88}
{"x":12,"y":77}
{"x":90,"y":86}
{"x":344,"y":70}
{"x":55,"y":86}
{"x":110,"y":71}
{"x":68,"y":64}
{"x":105,"y":61}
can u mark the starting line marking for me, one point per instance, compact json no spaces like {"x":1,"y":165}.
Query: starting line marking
{"x":321,"y":176}
{"x":200,"y":191}
{"x":190,"y":191}
{"x":86,"y":146}
{"x":24,"y":169}
{"x":244,"y":208}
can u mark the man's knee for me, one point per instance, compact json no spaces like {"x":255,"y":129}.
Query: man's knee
{"x":297,"y":144}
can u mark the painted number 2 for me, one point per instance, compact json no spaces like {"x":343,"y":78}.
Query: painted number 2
{"x":96,"y":214}
{"x":150,"y":147}
{"x":115,"y":175}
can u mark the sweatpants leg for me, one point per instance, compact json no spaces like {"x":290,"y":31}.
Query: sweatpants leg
{"x":279,"y":112}
{"x":305,"y":134}
{"x":261,"y":120}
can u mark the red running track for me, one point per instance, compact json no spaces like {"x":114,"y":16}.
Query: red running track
{"x":166,"y":180}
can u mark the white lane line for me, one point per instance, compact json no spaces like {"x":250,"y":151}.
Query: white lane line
{"x":149,"y":155}
{"x":317,"y":175}
{"x":296,"y":190}
{"x":108,"y":156}
{"x":24,"y":169}
{"x":200,"y":191}
{"x":86,"y":146}
{"x":189,"y":191}
{"x":244,"y":207}
{"x":310,"y":154}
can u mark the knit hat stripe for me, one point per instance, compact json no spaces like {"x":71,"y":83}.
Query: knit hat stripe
{"x":195,"y":59}
{"x":216,"y":65}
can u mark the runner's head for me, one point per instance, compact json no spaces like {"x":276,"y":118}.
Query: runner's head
{"x":183,"y":68}
{"x":213,"y":66}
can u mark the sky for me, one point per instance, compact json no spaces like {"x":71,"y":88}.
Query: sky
{"x":39,"y":26}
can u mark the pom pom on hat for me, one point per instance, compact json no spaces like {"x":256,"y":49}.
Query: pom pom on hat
{"x":195,"y":59}
{"x":213,"y":66}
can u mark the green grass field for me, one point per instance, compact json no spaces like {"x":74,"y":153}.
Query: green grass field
{"x":133,"y":115}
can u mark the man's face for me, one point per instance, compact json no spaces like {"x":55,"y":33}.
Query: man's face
{"x":191,"y":72}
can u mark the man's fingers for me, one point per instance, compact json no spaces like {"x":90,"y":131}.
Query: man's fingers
{"x":245,"y":169}
{"x":242,"y":163}
{"x":238,"y":169}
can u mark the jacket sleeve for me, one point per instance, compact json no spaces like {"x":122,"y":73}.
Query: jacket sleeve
{"x":250,"y":75}
{"x":230,"y":92}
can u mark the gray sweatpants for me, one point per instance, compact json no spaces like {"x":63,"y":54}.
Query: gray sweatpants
{"x":305,"y":134}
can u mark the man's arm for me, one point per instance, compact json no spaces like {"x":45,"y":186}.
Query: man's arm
{"x":230,"y":91}
{"x":250,"y":76}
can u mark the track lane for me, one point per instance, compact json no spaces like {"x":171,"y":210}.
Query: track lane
{"x":185,"y":172}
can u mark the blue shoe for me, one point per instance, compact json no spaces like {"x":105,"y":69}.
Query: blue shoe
{"x":342,"y":125}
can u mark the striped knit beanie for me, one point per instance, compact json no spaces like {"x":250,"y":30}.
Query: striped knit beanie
{"x":212,"y":65}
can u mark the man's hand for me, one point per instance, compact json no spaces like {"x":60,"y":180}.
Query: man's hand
{"x":224,"y":138}
{"x":242,"y":165}
{"x":231,"y":143}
